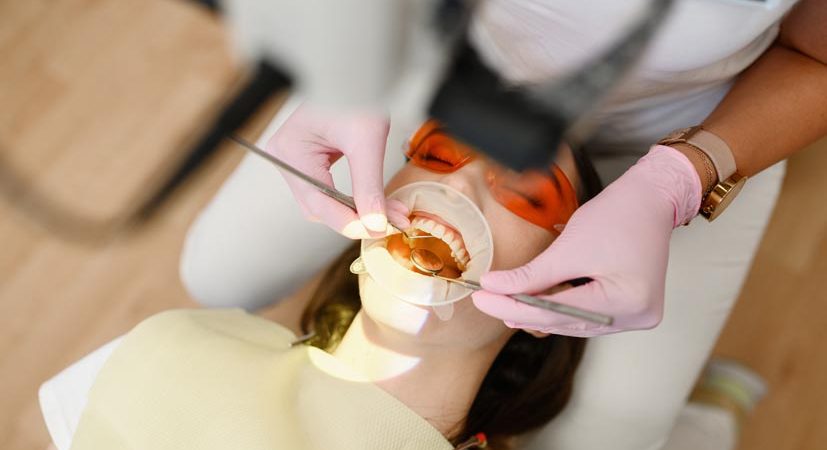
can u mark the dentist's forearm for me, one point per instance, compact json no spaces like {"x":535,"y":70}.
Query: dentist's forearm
{"x":777,"y":107}
{"x":779,"y":104}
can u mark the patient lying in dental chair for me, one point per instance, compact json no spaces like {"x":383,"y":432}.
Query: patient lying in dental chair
{"x":393,"y":358}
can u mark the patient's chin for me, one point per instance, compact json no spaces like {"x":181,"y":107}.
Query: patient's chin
{"x":384,"y":308}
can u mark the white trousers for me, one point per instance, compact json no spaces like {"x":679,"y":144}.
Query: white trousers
{"x":251,"y":246}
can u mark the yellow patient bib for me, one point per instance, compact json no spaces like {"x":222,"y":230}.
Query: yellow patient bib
{"x":212,"y":379}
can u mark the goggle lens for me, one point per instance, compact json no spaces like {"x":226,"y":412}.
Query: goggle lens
{"x":544,"y":198}
{"x":433,"y":149}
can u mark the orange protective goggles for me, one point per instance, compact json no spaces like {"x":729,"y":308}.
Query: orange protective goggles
{"x":544,"y":198}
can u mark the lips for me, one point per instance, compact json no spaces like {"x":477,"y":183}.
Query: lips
{"x":448,"y":214}
{"x":440,"y":229}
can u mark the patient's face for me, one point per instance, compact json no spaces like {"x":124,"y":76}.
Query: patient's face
{"x":516,"y":241}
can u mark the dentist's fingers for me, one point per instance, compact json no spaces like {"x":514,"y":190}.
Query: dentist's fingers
{"x":516,"y":314}
{"x":336,"y":216}
{"x":312,"y":139}
{"x":551,"y":267}
{"x":400,"y":221}
{"x":398,"y":206}
{"x":307,"y":214}
{"x":398,"y":214}
{"x":365,"y":157}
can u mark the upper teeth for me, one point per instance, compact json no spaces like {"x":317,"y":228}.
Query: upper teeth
{"x":454,"y":241}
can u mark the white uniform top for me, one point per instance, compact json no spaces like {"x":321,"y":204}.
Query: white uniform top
{"x":683,"y":74}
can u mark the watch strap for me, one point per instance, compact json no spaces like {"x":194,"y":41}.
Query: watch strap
{"x":729,"y":182}
{"x":714,"y":147}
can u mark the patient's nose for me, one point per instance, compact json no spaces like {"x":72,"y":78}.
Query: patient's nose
{"x":467,"y":180}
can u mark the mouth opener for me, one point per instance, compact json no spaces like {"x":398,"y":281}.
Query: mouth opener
{"x":322,"y":187}
{"x":433,"y":265}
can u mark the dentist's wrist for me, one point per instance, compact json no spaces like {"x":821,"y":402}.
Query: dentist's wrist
{"x":703,"y":166}
{"x":670,"y":172}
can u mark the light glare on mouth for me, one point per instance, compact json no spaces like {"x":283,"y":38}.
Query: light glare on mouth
{"x":387,"y":260}
{"x":432,"y":225}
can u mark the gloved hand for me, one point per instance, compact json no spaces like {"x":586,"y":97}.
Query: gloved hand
{"x":312,"y":140}
{"x":619,"y":239}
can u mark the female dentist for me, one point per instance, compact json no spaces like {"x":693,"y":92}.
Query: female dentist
{"x":751,"y":74}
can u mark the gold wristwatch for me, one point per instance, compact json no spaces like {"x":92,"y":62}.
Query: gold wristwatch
{"x":729,"y":182}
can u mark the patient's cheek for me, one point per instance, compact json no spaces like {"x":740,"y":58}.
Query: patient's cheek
{"x":516,"y":242}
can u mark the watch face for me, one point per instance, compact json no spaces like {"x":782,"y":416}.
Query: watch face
{"x":723,"y":194}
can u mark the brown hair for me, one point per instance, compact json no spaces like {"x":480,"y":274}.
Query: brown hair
{"x":528,"y":384}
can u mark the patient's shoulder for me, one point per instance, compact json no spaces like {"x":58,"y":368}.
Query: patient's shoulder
{"x":210,"y":325}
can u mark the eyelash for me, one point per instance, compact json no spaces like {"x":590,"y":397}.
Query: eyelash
{"x":535,"y":202}
{"x":431,"y":157}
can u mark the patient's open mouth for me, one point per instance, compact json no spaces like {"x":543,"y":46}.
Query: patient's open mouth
{"x":461,"y":241}
{"x":436,"y":227}
{"x":447,"y":244}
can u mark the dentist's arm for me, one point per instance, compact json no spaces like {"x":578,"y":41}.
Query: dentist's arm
{"x":620,"y":239}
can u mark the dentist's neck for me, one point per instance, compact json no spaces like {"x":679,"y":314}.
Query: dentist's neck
{"x":438,"y":382}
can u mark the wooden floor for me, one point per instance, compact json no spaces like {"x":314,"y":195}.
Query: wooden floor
{"x":96,"y":94}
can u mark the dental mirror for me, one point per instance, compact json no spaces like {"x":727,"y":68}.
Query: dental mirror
{"x":426,"y":261}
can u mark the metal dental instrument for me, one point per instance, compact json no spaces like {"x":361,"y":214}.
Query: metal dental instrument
{"x":426,"y":261}
{"x":322,"y":187}
{"x":426,"y":264}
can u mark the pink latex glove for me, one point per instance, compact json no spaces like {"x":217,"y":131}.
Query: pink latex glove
{"x":312,"y":140}
{"x":619,"y":239}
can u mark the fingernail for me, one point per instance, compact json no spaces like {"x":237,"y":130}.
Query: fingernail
{"x":375,"y":221}
{"x":355,"y":230}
